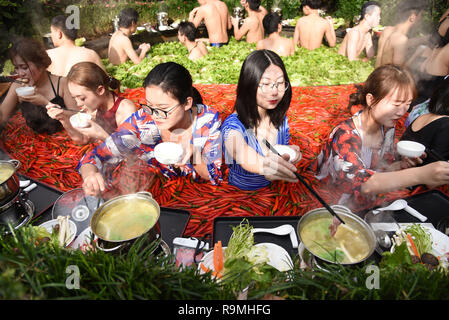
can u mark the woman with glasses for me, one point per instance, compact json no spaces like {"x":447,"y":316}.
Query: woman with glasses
{"x":173,"y":112}
{"x":93,"y":91}
{"x":263,"y":98}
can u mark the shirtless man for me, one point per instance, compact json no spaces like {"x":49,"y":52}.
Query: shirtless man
{"x":261,"y":12}
{"x":217,"y":29}
{"x":186,"y":35}
{"x":120,"y":46}
{"x":66,"y":53}
{"x":359,"y":39}
{"x":393,"y":42}
{"x":252,"y":26}
{"x":311,"y":29}
{"x":273,"y":27}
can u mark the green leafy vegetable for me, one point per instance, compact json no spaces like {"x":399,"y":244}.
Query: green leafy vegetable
{"x":421,"y":238}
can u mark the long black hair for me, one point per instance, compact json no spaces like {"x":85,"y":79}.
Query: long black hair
{"x":252,"y":70}
{"x":175,"y":79}
{"x":439,"y":101}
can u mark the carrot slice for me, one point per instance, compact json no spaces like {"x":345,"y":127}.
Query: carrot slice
{"x":220,"y":257}
{"x":413,"y":246}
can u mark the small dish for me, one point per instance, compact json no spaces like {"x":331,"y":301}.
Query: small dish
{"x":410,"y":149}
{"x":80,"y":120}
{"x":168,"y":153}
{"x":51,"y":223}
{"x":283,"y":149}
{"x":24,"y":91}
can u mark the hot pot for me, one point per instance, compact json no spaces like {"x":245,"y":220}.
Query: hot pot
{"x":151,"y":233}
{"x":10,"y":187}
{"x":349,"y":218}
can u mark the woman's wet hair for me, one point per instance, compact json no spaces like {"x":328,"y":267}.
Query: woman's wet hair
{"x":91,"y":76}
{"x":59,"y":22}
{"x":271,"y":22}
{"x":30,"y":50}
{"x":251,"y":73}
{"x":439,"y":101}
{"x":187,"y":29}
{"x":127,"y":16}
{"x":381,"y":82}
{"x":174,"y":79}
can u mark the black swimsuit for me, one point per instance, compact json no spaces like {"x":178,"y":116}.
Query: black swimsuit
{"x":37,"y":118}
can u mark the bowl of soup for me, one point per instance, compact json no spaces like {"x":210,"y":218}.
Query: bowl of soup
{"x":122,"y":220}
{"x":353,"y":243}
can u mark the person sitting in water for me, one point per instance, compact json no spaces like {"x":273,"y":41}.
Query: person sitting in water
{"x":170,"y":114}
{"x":120,"y":46}
{"x":394,"y":43}
{"x":263,"y":98}
{"x":93,"y":91}
{"x":261,"y":11}
{"x":31,"y":62}
{"x":186,"y":35}
{"x":252,"y":26}
{"x":359,"y":39}
{"x":217,"y":29}
{"x":273,"y":27}
{"x":359,"y":156}
{"x":432,"y":127}
{"x":311,"y":29}
{"x":66,"y":53}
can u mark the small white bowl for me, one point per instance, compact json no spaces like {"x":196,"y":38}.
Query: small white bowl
{"x":168,"y":153}
{"x":410,"y":149}
{"x":51,"y":223}
{"x":24,"y":91}
{"x":283,"y":149}
{"x":80,"y":120}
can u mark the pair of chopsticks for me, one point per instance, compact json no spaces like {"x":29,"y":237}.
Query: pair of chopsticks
{"x":9,"y":79}
{"x":300,"y":178}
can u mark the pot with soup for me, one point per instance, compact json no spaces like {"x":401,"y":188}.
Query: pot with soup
{"x":353,"y":243}
{"x":9,"y":181}
{"x":120,"y":221}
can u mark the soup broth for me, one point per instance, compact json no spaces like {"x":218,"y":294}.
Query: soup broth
{"x":6,"y":171}
{"x":348,"y":245}
{"x":126,"y":220}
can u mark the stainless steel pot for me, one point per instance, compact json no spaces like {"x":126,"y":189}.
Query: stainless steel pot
{"x":10,"y":187}
{"x":151,"y":234}
{"x":348,"y":217}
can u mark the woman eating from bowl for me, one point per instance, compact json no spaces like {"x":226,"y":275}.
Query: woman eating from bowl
{"x":39,"y":88}
{"x":93,"y":91}
{"x":431,"y":128}
{"x":263,"y":98}
{"x":170,"y":114}
{"x":359,"y":156}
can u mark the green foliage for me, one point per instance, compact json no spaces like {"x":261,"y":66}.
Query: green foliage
{"x":323,"y":66}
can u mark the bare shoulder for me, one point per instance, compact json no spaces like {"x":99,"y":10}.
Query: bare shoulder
{"x":127,"y":106}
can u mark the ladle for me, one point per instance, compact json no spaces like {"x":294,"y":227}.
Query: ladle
{"x":281,"y":231}
{"x":383,"y":239}
{"x":401,"y":204}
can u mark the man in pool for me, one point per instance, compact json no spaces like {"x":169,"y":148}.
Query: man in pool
{"x":252,"y":26}
{"x":217,"y":29}
{"x":274,"y":42}
{"x":186,"y":35}
{"x":66,"y":53}
{"x":261,"y":11}
{"x":311,"y":29}
{"x":394,"y":43}
{"x":359,"y":39}
{"x":120,"y":46}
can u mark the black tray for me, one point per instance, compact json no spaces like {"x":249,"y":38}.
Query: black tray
{"x":223,"y":230}
{"x":173,"y":223}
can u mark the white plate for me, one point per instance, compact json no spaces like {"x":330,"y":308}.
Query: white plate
{"x":83,"y":238}
{"x":168,"y":152}
{"x":51,"y":223}
{"x":278,"y":258}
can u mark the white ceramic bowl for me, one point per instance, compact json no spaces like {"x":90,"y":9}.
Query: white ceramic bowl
{"x":168,"y":152}
{"x":24,"y":91}
{"x":80,"y":120}
{"x":283,"y":149}
{"x":410,"y":149}
{"x":51,"y":223}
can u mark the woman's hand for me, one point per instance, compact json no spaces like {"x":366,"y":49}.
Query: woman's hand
{"x":435,"y":174}
{"x":55,"y":112}
{"x":278,"y":168}
{"x":94,"y":131}
{"x":407,"y":162}
{"x":93,"y":184}
{"x":298,"y":154}
{"x":36,"y":98}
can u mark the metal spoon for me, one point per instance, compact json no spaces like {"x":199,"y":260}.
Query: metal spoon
{"x":383,"y":239}
{"x":401,"y":204}
{"x":281,"y":231}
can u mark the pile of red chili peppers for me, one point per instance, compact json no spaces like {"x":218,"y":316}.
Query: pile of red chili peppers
{"x":313,"y":112}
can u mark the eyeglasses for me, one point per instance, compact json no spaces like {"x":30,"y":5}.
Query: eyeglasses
{"x":157,"y":112}
{"x":268,"y":87}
